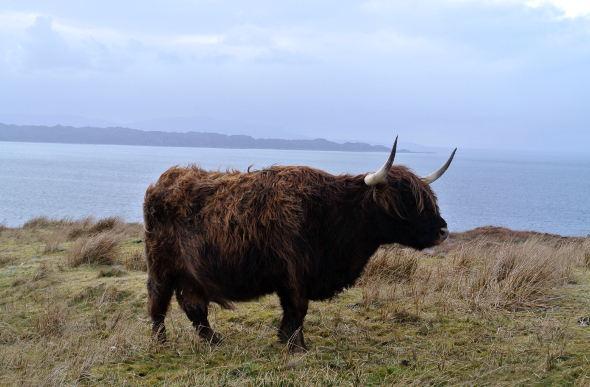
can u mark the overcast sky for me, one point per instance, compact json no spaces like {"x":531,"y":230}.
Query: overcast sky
{"x":511,"y":74}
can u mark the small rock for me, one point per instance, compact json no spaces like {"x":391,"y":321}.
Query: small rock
{"x":11,"y":268}
{"x":356,"y":304}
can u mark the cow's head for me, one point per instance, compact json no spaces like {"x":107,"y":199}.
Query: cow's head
{"x":411,"y":215}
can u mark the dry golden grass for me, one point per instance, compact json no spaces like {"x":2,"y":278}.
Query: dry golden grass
{"x":135,"y":260}
{"x":484,"y":274}
{"x":489,"y":307}
{"x":391,"y":264}
{"x":52,"y":322}
{"x":98,"y":249}
{"x":111,"y":271}
{"x":68,"y":229}
{"x":88,"y":226}
{"x":44,"y":222}
{"x":42,"y":271}
{"x":53,"y":241}
{"x":106,"y":224}
{"x":80,"y":227}
{"x":585,"y":260}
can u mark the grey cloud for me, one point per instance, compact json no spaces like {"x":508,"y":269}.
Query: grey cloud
{"x":135,"y":46}
{"x":104,"y":58}
{"x":276,"y":56}
{"x":168,"y":57}
{"x":248,"y":34}
{"x":214,"y":57}
{"x":45,"y":48}
{"x":491,"y":30}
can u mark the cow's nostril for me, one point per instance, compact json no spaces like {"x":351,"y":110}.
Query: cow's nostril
{"x":444,"y":233}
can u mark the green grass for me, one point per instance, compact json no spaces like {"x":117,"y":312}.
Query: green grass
{"x":466,"y":313}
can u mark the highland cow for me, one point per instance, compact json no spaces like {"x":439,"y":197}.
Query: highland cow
{"x":296,"y":231}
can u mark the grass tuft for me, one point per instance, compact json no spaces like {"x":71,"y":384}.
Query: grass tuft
{"x":52,"y":321}
{"x":53,"y":241}
{"x":520,"y":276}
{"x":100,"y":249}
{"x":88,"y":226}
{"x":42,"y":222}
{"x":41,"y":272}
{"x":135,"y":260}
{"x":38,"y":222}
{"x":391,"y":264}
{"x":111,"y":272}
{"x":106,"y":224}
{"x":585,"y":251}
{"x":7,"y":261}
{"x":80,"y":227}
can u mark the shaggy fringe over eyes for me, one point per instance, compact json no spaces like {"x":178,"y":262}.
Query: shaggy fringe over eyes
{"x":424,"y":197}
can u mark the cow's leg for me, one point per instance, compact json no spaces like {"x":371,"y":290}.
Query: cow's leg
{"x":291,"y":328}
{"x":197,"y":310}
{"x":159,"y":295}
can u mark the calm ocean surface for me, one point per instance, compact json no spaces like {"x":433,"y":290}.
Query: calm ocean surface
{"x":522,"y":191}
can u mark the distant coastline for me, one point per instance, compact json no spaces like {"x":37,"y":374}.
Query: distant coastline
{"x":127,"y":136}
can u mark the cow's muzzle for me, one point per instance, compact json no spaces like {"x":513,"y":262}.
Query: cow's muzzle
{"x":443,"y":234}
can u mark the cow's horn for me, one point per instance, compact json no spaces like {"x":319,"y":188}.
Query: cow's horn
{"x":433,"y":176}
{"x":376,"y":177}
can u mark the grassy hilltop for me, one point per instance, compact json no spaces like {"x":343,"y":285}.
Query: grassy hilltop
{"x":490,"y":306}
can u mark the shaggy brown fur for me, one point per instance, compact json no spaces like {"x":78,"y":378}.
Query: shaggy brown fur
{"x":297,"y":231}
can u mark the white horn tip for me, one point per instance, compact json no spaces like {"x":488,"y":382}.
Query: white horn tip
{"x":374,"y":178}
{"x":434,"y":176}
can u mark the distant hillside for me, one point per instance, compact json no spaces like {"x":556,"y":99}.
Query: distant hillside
{"x":126,"y":136}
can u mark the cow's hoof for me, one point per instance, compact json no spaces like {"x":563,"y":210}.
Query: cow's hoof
{"x":215,"y":340}
{"x":297,"y":350}
{"x":282,"y":338}
{"x":159,"y":336}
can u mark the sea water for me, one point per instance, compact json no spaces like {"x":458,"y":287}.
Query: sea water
{"x":523,"y":191}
